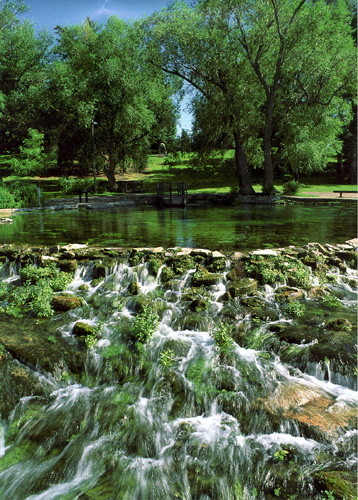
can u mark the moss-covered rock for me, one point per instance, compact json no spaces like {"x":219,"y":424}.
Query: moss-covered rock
{"x":134,"y":288}
{"x":243,"y":286}
{"x":339,"y":324}
{"x":179,"y":347}
{"x":82,"y":329}
{"x":68,"y":266}
{"x":62,"y":303}
{"x":204,"y":278}
{"x":99,"y":270}
{"x":288,"y":294}
{"x":342,"y":484}
{"x":198,"y":305}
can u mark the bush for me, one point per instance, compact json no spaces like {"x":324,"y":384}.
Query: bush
{"x":290,"y":187}
{"x":70,"y":185}
{"x":144,"y":325}
{"x":35,"y":293}
{"x":223,"y":339}
{"x":18,"y":194}
{"x":25,"y":193}
{"x":7,"y":199}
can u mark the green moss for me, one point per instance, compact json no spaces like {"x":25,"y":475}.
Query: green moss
{"x":16,"y":454}
{"x":342,"y":484}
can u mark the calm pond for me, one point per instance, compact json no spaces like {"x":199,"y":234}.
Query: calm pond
{"x":225,"y":228}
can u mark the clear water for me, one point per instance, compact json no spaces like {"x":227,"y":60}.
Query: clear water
{"x":225,"y":228}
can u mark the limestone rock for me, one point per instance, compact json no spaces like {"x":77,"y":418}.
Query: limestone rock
{"x":201,"y":252}
{"x":315,"y":410}
{"x":265,"y":252}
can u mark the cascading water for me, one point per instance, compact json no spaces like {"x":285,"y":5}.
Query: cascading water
{"x":180,"y":415}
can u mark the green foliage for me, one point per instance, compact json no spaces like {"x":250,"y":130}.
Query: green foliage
{"x":270,"y":270}
{"x":33,"y":161}
{"x":70,"y":185}
{"x":18,"y":194}
{"x":281,"y":454}
{"x":36,"y":290}
{"x":167,"y":358}
{"x":295,"y":309}
{"x":223,"y":339}
{"x":332,"y":302}
{"x":91,"y":340}
{"x":290,"y":187}
{"x":7,"y":199}
{"x":144,"y":325}
{"x":25,"y":193}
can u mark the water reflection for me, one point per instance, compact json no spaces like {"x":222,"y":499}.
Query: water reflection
{"x":224,"y":228}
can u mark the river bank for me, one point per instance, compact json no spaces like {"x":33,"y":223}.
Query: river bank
{"x":162,"y":373}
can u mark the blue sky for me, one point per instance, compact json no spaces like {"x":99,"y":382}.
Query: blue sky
{"x":50,"y":13}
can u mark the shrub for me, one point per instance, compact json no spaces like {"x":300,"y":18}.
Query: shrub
{"x":25,"y":193}
{"x":290,"y":187}
{"x":144,"y":325}
{"x":223,"y":339}
{"x":295,"y":309}
{"x":70,"y":185}
{"x":36,"y":291}
{"x":7,"y":199}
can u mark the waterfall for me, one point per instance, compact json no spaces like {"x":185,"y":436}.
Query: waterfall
{"x":186,"y":414}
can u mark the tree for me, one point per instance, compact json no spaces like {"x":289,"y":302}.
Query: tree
{"x":108,"y":81}
{"x":257,"y":63}
{"x":304,"y":45}
{"x":33,"y":159}
{"x":23,"y":57}
{"x":190,"y":44}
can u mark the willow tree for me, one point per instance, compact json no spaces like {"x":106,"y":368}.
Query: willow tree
{"x":103,"y":77}
{"x":298,"y":50}
{"x":191,"y":44}
{"x":257,"y":60}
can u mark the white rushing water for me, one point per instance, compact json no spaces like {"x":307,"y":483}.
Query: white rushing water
{"x":179,"y":418}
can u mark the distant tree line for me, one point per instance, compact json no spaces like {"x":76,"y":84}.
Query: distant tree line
{"x":274,"y":80}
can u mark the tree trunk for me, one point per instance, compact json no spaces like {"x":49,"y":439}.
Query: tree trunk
{"x":242,"y":171}
{"x":110,"y":172}
{"x":268,"y":187}
{"x":340,"y":173}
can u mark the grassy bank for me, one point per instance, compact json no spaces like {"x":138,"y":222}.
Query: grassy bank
{"x":214,"y":175}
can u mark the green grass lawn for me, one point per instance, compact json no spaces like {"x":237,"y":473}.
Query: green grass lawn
{"x":215,"y":176}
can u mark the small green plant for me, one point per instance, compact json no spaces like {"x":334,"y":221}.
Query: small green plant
{"x":290,"y":188}
{"x":295,"y":309}
{"x":277,"y":491}
{"x":91,"y":340}
{"x":329,"y":495}
{"x":35,"y":293}
{"x":144,"y":325}
{"x":167,"y":358}
{"x":223,"y":339}
{"x":281,"y":454}
{"x":52,"y":339}
{"x":332,"y":302}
